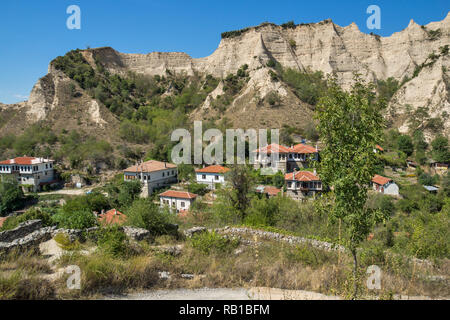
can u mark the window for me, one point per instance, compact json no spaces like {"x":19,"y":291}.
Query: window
{"x":289,"y":184}
{"x":173,"y":171}
{"x":46,"y":166}
{"x":163,"y":174}
{"x":216,"y":177}
{"x":182,"y":204}
{"x":204,"y":176}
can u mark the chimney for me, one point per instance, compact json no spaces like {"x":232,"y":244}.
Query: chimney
{"x":315,"y":172}
{"x":115,"y":212}
{"x":103,"y":211}
{"x":316,"y":148}
{"x":165,"y":164}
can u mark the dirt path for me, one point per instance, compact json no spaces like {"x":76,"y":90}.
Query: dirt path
{"x":224,"y":294}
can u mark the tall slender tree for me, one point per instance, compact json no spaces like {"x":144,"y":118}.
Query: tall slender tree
{"x":350,"y":125}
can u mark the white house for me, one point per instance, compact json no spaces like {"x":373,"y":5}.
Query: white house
{"x":178,"y":200}
{"x":32,"y":173}
{"x":302,"y":184}
{"x":211,"y":175}
{"x":385,"y":185}
{"x":285,"y":159}
{"x":152,"y":174}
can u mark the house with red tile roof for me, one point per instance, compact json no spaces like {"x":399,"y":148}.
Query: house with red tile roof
{"x":152,"y":174}
{"x":211,"y":175}
{"x":177,"y":200}
{"x":301,"y":185}
{"x":31,"y":172}
{"x":112,"y":217}
{"x":385,"y":185}
{"x":269,"y":191}
{"x":285,"y":159}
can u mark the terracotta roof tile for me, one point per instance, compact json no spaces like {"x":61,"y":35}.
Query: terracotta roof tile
{"x":380,"y":180}
{"x":178,"y":194}
{"x":272,"y":191}
{"x":273,"y":148}
{"x":2,"y":220}
{"x":24,"y":161}
{"x":150,"y":166}
{"x":302,"y":148}
{"x":112,"y":216}
{"x":301,"y":176}
{"x":213,"y":169}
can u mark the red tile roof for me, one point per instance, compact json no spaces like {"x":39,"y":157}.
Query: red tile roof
{"x":380,"y":180}
{"x":379,"y":147}
{"x":178,"y":194}
{"x":273,"y":148}
{"x":272,"y":191}
{"x":150,"y":166}
{"x":302,"y":148}
{"x":24,"y":161}
{"x":213,"y":169}
{"x":301,"y":176}
{"x":112,"y":217}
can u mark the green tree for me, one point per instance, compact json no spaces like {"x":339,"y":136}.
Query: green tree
{"x":241,"y":181}
{"x":404,"y":144}
{"x":11,"y":195}
{"x":143,"y":213}
{"x":350,"y":124}
{"x":440,"y":150}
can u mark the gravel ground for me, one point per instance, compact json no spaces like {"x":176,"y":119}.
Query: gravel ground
{"x":223,"y":294}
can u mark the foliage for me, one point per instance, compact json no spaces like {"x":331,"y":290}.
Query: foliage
{"x":211,"y":242}
{"x":112,"y":241}
{"x":308,"y":86}
{"x":404,"y":144}
{"x":440,"y":152}
{"x":350,"y":124}
{"x":186,"y":172}
{"x":121,"y":194}
{"x":143,"y":213}
{"x":241,"y":181}
{"x":43,"y":214}
{"x":11,"y":195}
{"x":387,"y":88}
{"x":198,"y":188}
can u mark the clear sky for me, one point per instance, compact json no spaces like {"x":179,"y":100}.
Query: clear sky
{"x":33,"y":32}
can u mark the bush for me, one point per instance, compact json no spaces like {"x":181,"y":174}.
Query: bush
{"x":33,"y":214}
{"x":211,"y":242}
{"x":11,"y":196}
{"x":430,"y":236}
{"x":405,"y":144}
{"x":112,"y":241}
{"x":80,"y":219}
{"x":143,"y":213}
{"x":198,"y":188}
{"x":63,"y":240}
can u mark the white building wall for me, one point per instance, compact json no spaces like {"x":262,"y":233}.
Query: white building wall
{"x":210,"y":179}
{"x":391,"y":189}
{"x":176,"y":203}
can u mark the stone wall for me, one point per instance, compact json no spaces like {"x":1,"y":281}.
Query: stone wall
{"x":20,"y":231}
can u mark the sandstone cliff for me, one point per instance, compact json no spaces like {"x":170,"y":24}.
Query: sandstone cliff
{"x":323,"y":46}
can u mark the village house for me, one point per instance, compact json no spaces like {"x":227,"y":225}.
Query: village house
{"x":211,"y":175}
{"x":177,"y":200}
{"x":112,"y":217}
{"x":438,"y":167}
{"x":385,"y":185}
{"x":268,"y":191}
{"x":152,"y":174}
{"x":301,"y":185}
{"x":30,"y":172}
{"x":285,"y":159}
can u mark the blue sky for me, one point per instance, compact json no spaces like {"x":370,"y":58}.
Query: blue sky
{"x":32,"y":33}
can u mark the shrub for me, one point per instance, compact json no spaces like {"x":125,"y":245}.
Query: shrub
{"x":112,"y":241}
{"x":211,"y":242}
{"x":198,"y":188}
{"x":80,"y":219}
{"x":63,"y":240}
{"x":11,"y":195}
{"x":143,"y":213}
{"x":404,"y":144}
{"x":33,"y":214}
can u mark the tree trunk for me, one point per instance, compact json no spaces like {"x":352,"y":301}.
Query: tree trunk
{"x":355,"y":274}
